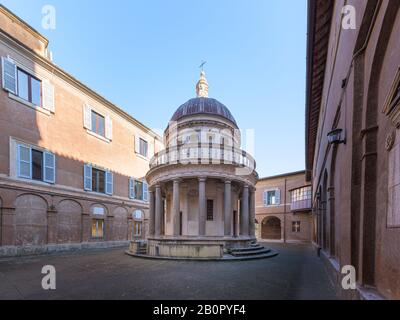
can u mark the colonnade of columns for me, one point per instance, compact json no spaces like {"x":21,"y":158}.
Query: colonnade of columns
{"x":247,"y":210}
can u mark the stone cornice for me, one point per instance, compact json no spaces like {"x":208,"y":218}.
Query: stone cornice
{"x":161,"y":175}
{"x":13,"y":17}
{"x":51,"y":190}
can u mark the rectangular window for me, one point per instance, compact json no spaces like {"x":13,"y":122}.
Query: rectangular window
{"x":98,"y":180}
{"x":29,"y":88}
{"x":35,"y":164}
{"x":138,"y":190}
{"x":143,"y":147}
{"x":271,"y":198}
{"x":97,"y":228}
{"x":296,"y":226}
{"x":98,"y":124}
{"x":210,"y":210}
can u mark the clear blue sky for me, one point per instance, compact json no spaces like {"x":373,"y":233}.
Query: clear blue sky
{"x":144,"y":57}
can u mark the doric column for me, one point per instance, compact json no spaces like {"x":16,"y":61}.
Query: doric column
{"x":245,"y":212}
{"x":252,"y":226}
{"x":227,"y":208}
{"x":152,"y":213}
{"x":202,"y":206}
{"x":176,"y":207}
{"x":158,"y":211}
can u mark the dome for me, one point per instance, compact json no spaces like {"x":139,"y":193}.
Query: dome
{"x":203,"y":105}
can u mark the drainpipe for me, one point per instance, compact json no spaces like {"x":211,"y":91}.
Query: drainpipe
{"x":284,"y":216}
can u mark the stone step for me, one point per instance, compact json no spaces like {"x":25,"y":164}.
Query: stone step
{"x":251,"y":253}
{"x":251,"y":248}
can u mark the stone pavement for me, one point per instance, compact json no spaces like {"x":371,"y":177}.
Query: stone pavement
{"x":296,"y":273}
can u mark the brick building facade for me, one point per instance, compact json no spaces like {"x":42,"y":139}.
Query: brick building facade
{"x":72,"y":164}
{"x":353,"y":141}
{"x":283,"y":208}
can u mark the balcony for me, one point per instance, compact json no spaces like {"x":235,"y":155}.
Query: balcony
{"x":301,"y":199}
{"x":203,"y":154}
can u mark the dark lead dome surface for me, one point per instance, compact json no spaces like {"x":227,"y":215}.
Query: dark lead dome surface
{"x":203,"y":105}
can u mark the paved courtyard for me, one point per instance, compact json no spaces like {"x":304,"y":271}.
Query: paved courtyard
{"x":296,"y":273}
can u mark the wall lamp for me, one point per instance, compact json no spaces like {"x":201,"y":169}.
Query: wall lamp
{"x":335,"y":137}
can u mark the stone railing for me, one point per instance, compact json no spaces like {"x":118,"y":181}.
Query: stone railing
{"x":203,"y":154}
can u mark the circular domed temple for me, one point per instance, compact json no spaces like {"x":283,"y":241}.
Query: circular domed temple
{"x":201,"y":186}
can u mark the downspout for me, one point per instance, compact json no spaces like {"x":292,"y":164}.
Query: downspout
{"x":284,"y":215}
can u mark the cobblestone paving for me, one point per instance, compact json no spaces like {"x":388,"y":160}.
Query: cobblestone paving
{"x":296,"y":273}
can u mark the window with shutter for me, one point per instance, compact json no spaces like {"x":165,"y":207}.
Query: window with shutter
{"x":9,"y":75}
{"x":109,"y":183}
{"x":24,"y":162}
{"x":278,"y":197}
{"x":87,"y":173}
{"x":49,"y":167}
{"x":108,"y":128}
{"x":145,"y":191}
{"x":35,"y":164}
{"x":87,"y":117}
{"x":131,"y":188}
{"x":48,"y":96}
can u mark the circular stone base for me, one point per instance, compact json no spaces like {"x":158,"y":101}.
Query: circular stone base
{"x":225,"y":257}
{"x":200,"y":248}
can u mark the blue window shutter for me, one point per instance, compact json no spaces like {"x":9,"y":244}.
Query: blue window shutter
{"x":49,"y":167}
{"x":131,"y":188}
{"x":24,"y":155}
{"x":265,"y":197}
{"x":278,"y":196}
{"x":145,"y":191}
{"x":87,"y":176}
{"x":109,"y":182}
{"x":9,"y":75}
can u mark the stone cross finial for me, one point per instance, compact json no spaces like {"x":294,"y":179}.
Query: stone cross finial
{"x":202,"y":84}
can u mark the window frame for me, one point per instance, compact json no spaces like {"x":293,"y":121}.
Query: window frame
{"x":296,"y":226}
{"x":143,"y":143}
{"x":44,"y":163}
{"x":97,"y":116}
{"x":30,"y":77}
{"x":96,"y":179}
{"x":96,"y":236}
{"x":275,"y":196}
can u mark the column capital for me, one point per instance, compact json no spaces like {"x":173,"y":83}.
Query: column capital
{"x":228,"y":182}
{"x":246,"y":186}
{"x":202,"y":179}
{"x":177,"y":180}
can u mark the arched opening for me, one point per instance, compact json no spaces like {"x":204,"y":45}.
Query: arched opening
{"x":271,"y":228}
{"x":30,"y":220}
{"x":69,"y":221}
